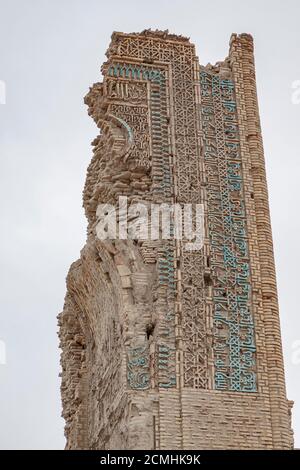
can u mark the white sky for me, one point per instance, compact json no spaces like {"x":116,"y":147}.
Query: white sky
{"x":50,"y":53}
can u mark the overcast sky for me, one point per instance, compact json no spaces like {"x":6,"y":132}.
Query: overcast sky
{"x":50,"y":53}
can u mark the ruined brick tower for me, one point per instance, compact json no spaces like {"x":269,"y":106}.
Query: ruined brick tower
{"x":165,"y":348}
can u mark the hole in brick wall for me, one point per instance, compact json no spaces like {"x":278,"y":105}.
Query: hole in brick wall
{"x":208,"y":261}
{"x":148,"y":60}
{"x":150,"y":330}
{"x":252,"y":195}
{"x":208,"y":279}
{"x":114,"y":328}
{"x":267,"y":297}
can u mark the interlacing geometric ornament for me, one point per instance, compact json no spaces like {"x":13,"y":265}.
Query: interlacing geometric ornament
{"x":234,"y":339}
{"x":159,"y":106}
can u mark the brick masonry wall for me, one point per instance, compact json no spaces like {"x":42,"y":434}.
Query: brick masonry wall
{"x":164,"y":348}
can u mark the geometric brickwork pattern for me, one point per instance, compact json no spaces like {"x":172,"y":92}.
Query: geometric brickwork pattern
{"x":163,"y":347}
